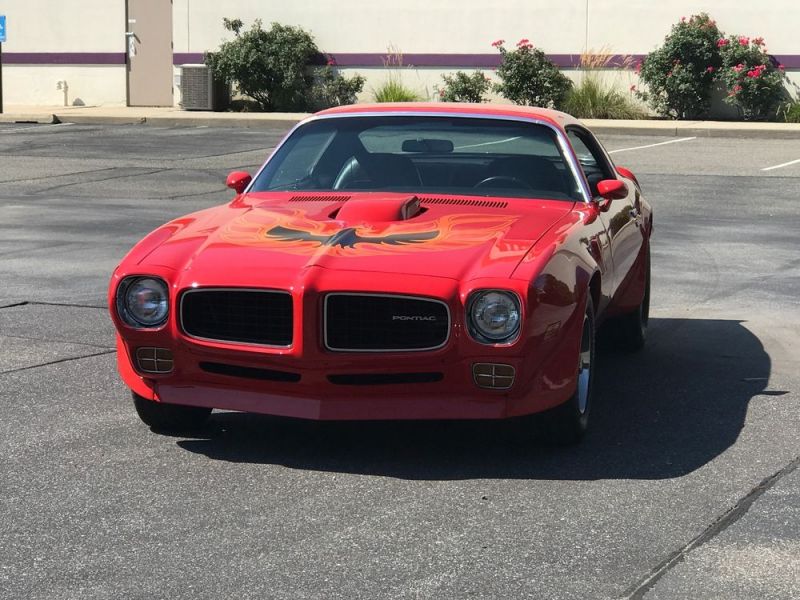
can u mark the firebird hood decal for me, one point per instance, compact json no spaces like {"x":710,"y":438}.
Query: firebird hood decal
{"x":255,"y":245}
{"x":348,"y":237}
{"x":297,"y":234}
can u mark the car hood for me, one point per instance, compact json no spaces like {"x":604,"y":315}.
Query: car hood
{"x":458,"y":238}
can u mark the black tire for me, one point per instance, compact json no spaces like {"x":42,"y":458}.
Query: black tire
{"x":169,"y":417}
{"x":566,"y":424}
{"x":631,"y":329}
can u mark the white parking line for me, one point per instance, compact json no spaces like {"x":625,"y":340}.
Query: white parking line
{"x":511,"y":139}
{"x":21,"y":129}
{"x":653,"y":145}
{"x":786,"y":164}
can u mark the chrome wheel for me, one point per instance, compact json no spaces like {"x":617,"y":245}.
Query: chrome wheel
{"x":585,"y":365}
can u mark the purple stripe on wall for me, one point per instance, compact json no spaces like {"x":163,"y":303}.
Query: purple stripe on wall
{"x":419,"y":60}
{"x":64,"y":58}
{"x":342,"y":59}
{"x":790,"y":61}
{"x":187,"y":58}
{"x":488,"y":61}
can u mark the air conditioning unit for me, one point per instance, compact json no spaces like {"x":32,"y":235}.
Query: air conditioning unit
{"x":200,"y":91}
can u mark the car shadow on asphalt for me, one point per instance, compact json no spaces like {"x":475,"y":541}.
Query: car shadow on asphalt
{"x":660,"y":413}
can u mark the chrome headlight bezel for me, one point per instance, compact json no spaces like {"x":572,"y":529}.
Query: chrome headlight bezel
{"x":484,"y":335}
{"x":130,"y":316}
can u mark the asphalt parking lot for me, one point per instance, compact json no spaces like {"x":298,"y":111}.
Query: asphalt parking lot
{"x":686,"y":486}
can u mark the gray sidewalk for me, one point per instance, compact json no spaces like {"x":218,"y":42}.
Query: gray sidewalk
{"x":174,"y":116}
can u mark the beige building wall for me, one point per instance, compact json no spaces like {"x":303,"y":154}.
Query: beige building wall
{"x":415,"y":26}
{"x":79,"y":28}
{"x":90,"y":33}
{"x":632,"y":27}
{"x":638,"y":26}
{"x":64,"y":26}
{"x":43,"y":85}
{"x":470,"y":26}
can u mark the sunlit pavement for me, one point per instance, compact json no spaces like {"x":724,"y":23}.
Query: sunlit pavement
{"x":685,"y":488}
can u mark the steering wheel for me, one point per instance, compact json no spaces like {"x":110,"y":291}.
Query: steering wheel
{"x":516,"y":181}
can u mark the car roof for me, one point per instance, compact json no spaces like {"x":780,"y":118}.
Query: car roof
{"x":559,"y":119}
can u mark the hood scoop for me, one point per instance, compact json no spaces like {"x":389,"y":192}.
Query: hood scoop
{"x":379,"y":209}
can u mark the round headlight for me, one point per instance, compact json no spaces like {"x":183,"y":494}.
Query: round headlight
{"x":143,"y":302}
{"x":494,"y":316}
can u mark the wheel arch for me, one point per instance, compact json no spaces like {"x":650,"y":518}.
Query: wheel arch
{"x":595,"y":287}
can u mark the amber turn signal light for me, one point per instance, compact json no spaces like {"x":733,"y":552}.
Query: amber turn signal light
{"x":154,"y":360}
{"x":493,"y":376}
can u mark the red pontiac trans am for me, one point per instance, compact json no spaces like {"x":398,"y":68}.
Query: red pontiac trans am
{"x":406,"y":261}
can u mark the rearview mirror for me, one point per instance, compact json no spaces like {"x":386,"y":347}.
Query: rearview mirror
{"x":612,"y":189}
{"x":427,"y":145}
{"x":238,"y":181}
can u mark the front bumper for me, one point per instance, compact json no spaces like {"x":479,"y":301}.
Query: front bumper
{"x":325,"y":385}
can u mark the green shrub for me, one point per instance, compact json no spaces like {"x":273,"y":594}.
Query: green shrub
{"x":680,"y":74}
{"x":331,"y":88}
{"x":529,"y":78}
{"x":593,"y":98}
{"x":269,"y":66}
{"x":393,"y":90}
{"x":754,"y":84}
{"x":790,"y":112}
{"x":461,"y":87}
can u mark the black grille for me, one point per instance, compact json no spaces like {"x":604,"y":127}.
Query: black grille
{"x":244,"y":316}
{"x":366,"y":322}
{"x":249,"y":372}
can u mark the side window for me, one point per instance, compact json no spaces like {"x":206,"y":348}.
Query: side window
{"x":591,"y":157}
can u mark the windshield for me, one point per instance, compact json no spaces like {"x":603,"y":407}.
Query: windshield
{"x":422,"y":154}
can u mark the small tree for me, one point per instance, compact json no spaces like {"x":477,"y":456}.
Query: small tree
{"x":754,"y":82}
{"x":270,"y":66}
{"x":461,"y":87}
{"x":680,"y":74}
{"x":529,"y":78}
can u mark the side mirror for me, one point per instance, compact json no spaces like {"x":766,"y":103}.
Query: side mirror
{"x":612,"y":189}
{"x":238,"y":181}
{"x":627,"y":173}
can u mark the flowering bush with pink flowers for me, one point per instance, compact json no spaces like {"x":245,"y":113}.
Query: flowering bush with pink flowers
{"x":679,"y":76}
{"x":754,"y":83}
{"x":529,"y":77}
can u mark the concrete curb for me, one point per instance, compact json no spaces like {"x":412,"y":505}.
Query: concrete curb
{"x":99,"y":119}
{"x":282,"y":122}
{"x":40,"y":118}
{"x":696,"y":129}
{"x":172,"y":117}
